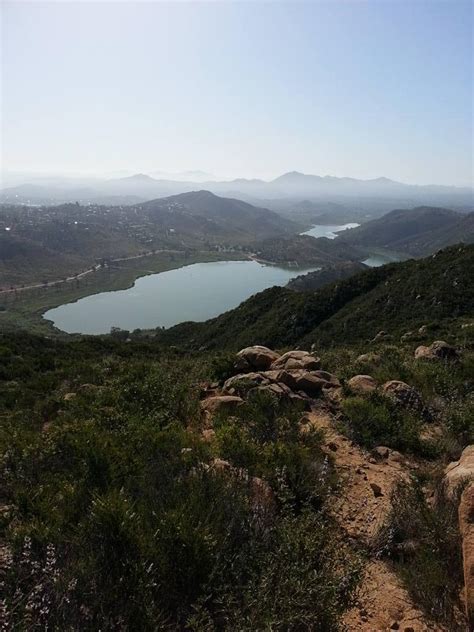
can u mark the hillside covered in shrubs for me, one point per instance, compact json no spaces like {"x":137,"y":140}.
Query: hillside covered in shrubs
{"x":162,"y":481}
{"x":396,"y":297}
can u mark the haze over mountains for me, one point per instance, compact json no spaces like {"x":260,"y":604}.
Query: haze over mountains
{"x":290,"y":188}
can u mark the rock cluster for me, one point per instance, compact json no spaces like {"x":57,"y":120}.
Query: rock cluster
{"x":293,"y":376}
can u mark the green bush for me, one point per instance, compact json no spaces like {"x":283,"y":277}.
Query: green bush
{"x":421,"y":537}
{"x":116,"y":520}
{"x":376,"y":420}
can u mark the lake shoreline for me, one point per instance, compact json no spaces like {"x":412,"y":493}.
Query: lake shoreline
{"x":195,"y":291}
{"x":27,"y":311}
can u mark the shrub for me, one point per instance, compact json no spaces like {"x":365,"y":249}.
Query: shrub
{"x":421,"y":537}
{"x":376,"y":420}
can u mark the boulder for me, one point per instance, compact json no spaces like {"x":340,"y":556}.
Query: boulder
{"x":280,"y":391}
{"x":404,"y":394}
{"x":466,"y":528}
{"x":438,"y":350}
{"x":297,"y":360}
{"x":362,"y":384}
{"x":243,"y":382}
{"x":69,"y":397}
{"x":256,"y":357}
{"x":309,"y":383}
{"x":332,"y":380}
{"x":460,"y":471}
{"x":281,"y":377}
{"x":218,"y":403}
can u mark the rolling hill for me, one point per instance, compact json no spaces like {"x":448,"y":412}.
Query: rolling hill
{"x":304,"y":249}
{"x":51,"y":242}
{"x":237,"y":219}
{"x":329,"y":274}
{"x":394,"y":298}
{"x":418,"y":231}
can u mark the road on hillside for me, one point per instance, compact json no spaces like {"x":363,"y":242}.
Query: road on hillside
{"x":80,"y":275}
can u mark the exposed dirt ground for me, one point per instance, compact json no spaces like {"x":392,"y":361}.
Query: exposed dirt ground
{"x":367,"y":481}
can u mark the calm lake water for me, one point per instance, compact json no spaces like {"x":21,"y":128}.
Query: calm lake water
{"x":195,"y":292}
{"x":331,"y":232}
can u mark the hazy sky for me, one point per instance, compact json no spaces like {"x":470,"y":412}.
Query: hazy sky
{"x":362,"y":89}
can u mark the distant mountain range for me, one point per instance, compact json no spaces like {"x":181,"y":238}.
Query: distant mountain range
{"x":294,"y":187}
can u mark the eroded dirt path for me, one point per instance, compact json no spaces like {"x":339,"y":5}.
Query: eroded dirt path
{"x":361,"y":507}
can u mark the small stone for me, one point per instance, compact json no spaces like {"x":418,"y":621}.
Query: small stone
{"x":376,"y":489}
{"x":333,"y":446}
{"x":409,"y":629}
{"x":381,"y":451}
{"x":395,"y":626}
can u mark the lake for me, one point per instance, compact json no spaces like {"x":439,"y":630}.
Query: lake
{"x":331,"y":232}
{"x":195,"y":292}
{"x":378,"y":259}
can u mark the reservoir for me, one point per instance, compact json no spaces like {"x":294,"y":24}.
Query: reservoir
{"x":331,"y":232}
{"x":195,"y":292}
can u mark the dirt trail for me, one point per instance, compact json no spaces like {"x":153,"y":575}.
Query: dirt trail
{"x":383,"y":603}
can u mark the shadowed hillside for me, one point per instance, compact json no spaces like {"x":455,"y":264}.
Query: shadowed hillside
{"x":393,"y":297}
{"x":418,"y":232}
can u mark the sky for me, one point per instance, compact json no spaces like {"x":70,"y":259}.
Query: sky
{"x":240,"y":89}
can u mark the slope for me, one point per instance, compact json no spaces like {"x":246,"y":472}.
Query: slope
{"x":236,"y":218}
{"x":417,"y":231}
{"x":393,"y":297}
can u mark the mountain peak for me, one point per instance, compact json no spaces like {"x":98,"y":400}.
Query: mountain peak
{"x":138,"y":177}
{"x":290,"y":175}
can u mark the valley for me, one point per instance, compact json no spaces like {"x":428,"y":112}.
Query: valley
{"x":59,"y":255}
{"x":236,"y":316}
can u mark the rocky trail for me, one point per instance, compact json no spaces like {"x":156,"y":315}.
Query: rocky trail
{"x":366,"y":483}
{"x":367,"y":479}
